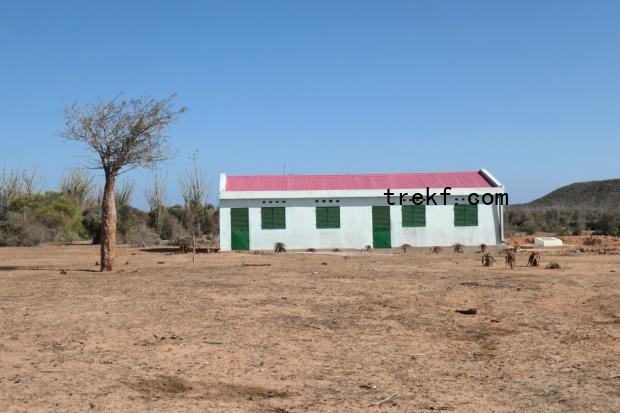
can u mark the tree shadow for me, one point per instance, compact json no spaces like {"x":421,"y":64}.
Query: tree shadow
{"x":177,"y":250}
{"x":31,"y":268}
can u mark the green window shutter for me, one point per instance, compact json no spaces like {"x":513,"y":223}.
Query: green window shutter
{"x":273,"y":218}
{"x":266,"y":215}
{"x":466,"y":215}
{"x":407,"y":215}
{"x":471,"y":215}
{"x":419,"y":215}
{"x":279,"y":218}
{"x":414,"y":215}
{"x":321,"y":217}
{"x":459,"y":215}
{"x":333,"y":217}
{"x":327,"y":217}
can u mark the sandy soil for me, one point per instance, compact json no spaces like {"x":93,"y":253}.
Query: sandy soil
{"x":310,"y":332}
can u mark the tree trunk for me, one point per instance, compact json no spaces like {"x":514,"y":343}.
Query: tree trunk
{"x":108,"y":225}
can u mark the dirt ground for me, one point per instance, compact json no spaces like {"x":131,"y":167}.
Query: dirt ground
{"x":346,"y":331}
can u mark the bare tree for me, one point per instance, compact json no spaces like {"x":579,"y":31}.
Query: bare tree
{"x":194,"y":186}
{"x":195,"y":191}
{"x":123,"y":135}
{"x":30,"y":182}
{"x":124,"y":193}
{"x":15,"y":183}
{"x":155,"y":195}
{"x":78,"y":184}
{"x":11,"y":186}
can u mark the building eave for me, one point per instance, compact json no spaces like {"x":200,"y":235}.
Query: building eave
{"x":370,"y":193}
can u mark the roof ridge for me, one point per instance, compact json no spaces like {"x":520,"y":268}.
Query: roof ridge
{"x":356,"y":174}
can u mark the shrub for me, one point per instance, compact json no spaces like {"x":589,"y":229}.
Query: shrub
{"x":179,"y":221}
{"x":279,"y":247}
{"x":140,"y":235}
{"x":54,"y":213}
{"x":534,"y":259}
{"x":510,"y":258}
{"x":91,"y":221}
{"x":592,"y":241}
{"x":171,"y":226}
{"x":17,"y":231}
{"x":487,"y":260}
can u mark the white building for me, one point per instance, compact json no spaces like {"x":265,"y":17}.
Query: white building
{"x":352,"y":211}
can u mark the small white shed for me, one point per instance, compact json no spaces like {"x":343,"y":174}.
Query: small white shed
{"x":548,"y":242}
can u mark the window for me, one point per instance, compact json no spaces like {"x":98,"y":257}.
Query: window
{"x":414,"y":215}
{"x":273,"y":218}
{"x":465,"y":215}
{"x":327,"y":217}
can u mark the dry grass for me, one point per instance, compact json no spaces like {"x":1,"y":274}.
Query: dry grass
{"x":310,"y":332}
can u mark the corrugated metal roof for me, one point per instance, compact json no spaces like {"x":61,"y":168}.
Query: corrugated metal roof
{"x":357,"y":181}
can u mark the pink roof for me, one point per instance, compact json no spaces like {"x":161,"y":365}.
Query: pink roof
{"x":356,"y":181}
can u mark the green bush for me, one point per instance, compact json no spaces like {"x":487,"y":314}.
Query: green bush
{"x":91,"y":221}
{"x":55,"y":214}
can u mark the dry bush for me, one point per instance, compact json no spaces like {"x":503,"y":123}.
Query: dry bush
{"x":483,"y":248}
{"x":336,"y":250}
{"x":487,"y":260}
{"x":534,"y":259}
{"x":592,"y":241}
{"x":310,"y":250}
{"x":436,"y":249}
{"x":185,"y":245}
{"x":171,"y":227}
{"x":510,"y":258}
{"x":405,"y":247}
{"x":368,"y":248}
{"x":457,"y":248}
{"x":279,"y":247}
{"x":553,"y":266}
{"x":19,"y":231}
{"x":139,"y":235}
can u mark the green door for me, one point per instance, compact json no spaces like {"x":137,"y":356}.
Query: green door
{"x":239,"y":229}
{"x":381,"y":227}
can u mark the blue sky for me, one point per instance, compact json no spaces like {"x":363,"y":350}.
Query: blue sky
{"x":527,"y":89}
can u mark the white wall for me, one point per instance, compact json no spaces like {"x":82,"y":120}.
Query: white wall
{"x":356,"y":225}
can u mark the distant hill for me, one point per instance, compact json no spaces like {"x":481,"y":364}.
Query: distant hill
{"x":592,"y":194}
